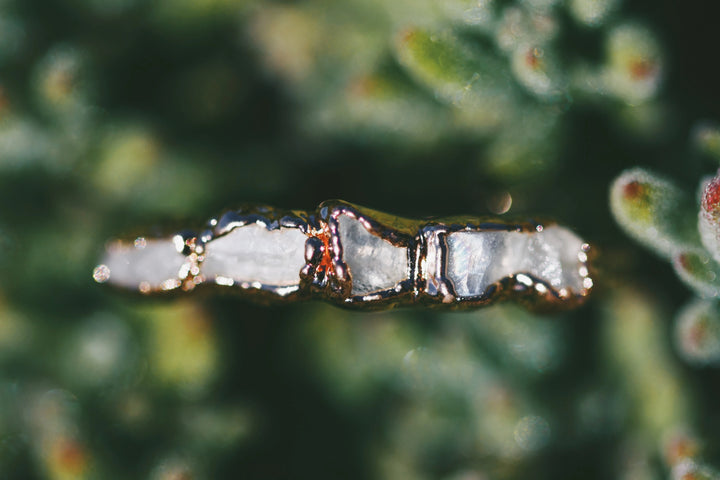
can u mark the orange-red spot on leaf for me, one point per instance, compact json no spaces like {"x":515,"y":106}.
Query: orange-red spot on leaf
{"x":70,"y":456}
{"x":690,"y":476}
{"x":685,"y":261}
{"x":642,"y":68}
{"x":500,"y":399}
{"x":697,"y":334}
{"x":364,"y":86}
{"x":533,"y":59}
{"x":634,"y":190}
{"x":679,"y":448}
{"x":407,"y":35}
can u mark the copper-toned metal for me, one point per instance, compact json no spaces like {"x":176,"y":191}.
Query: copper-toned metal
{"x":325,"y":270}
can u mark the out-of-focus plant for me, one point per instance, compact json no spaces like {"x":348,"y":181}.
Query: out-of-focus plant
{"x":684,"y":228}
{"x":485,"y":71}
{"x":123,"y":114}
{"x":466,"y":400}
{"x":457,"y":380}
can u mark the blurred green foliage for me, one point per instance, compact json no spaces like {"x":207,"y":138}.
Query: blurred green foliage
{"x":122,"y":116}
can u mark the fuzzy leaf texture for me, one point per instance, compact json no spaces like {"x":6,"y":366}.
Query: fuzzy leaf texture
{"x":709,"y":217}
{"x":697,"y":332}
{"x":654,"y":211}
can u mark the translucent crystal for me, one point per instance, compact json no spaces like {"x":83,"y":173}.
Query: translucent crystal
{"x":476,"y":260}
{"x":470,"y":255}
{"x":146,"y":263}
{"x":375,"y":264}
{"x":254,"y":254}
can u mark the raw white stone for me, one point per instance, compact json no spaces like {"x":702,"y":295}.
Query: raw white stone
{"x":476,"y":260}
{"x":375,"y":264}
{"x":254,"y":254}
{"x":151,"y":262}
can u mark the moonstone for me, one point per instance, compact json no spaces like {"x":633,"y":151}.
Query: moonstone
{"x":254,"y":254}
{"x":146,"y":262}
{"x":375,"y":264}
{"x":476,"y":260}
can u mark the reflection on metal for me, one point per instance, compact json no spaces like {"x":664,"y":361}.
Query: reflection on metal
{"x":354,"y":256}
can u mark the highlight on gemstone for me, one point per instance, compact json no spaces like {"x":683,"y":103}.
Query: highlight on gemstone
{"x":358,"y":257}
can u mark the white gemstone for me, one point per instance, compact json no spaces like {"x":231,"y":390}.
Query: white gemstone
{"x":476,"y":260}
{"x":432,"y":265}
{"x":254,"y":254}
{"x":570,"y":246}
{"x":375,"y":264}
{"x":151,"y":262}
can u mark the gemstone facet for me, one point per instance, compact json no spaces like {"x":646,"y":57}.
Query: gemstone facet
{"x":375,"y":264}
{"x":252,"y":253}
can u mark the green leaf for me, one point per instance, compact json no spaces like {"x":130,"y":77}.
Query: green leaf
{"x":458,"y":73}
{"x":384,"y":107}
{"x":655,"y":212}
{"x":706,"y":138}
{"x":697,"y":332}
{"x":698,"y":271}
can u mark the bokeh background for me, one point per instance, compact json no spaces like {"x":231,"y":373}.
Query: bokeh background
{"x":120,"y":117}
